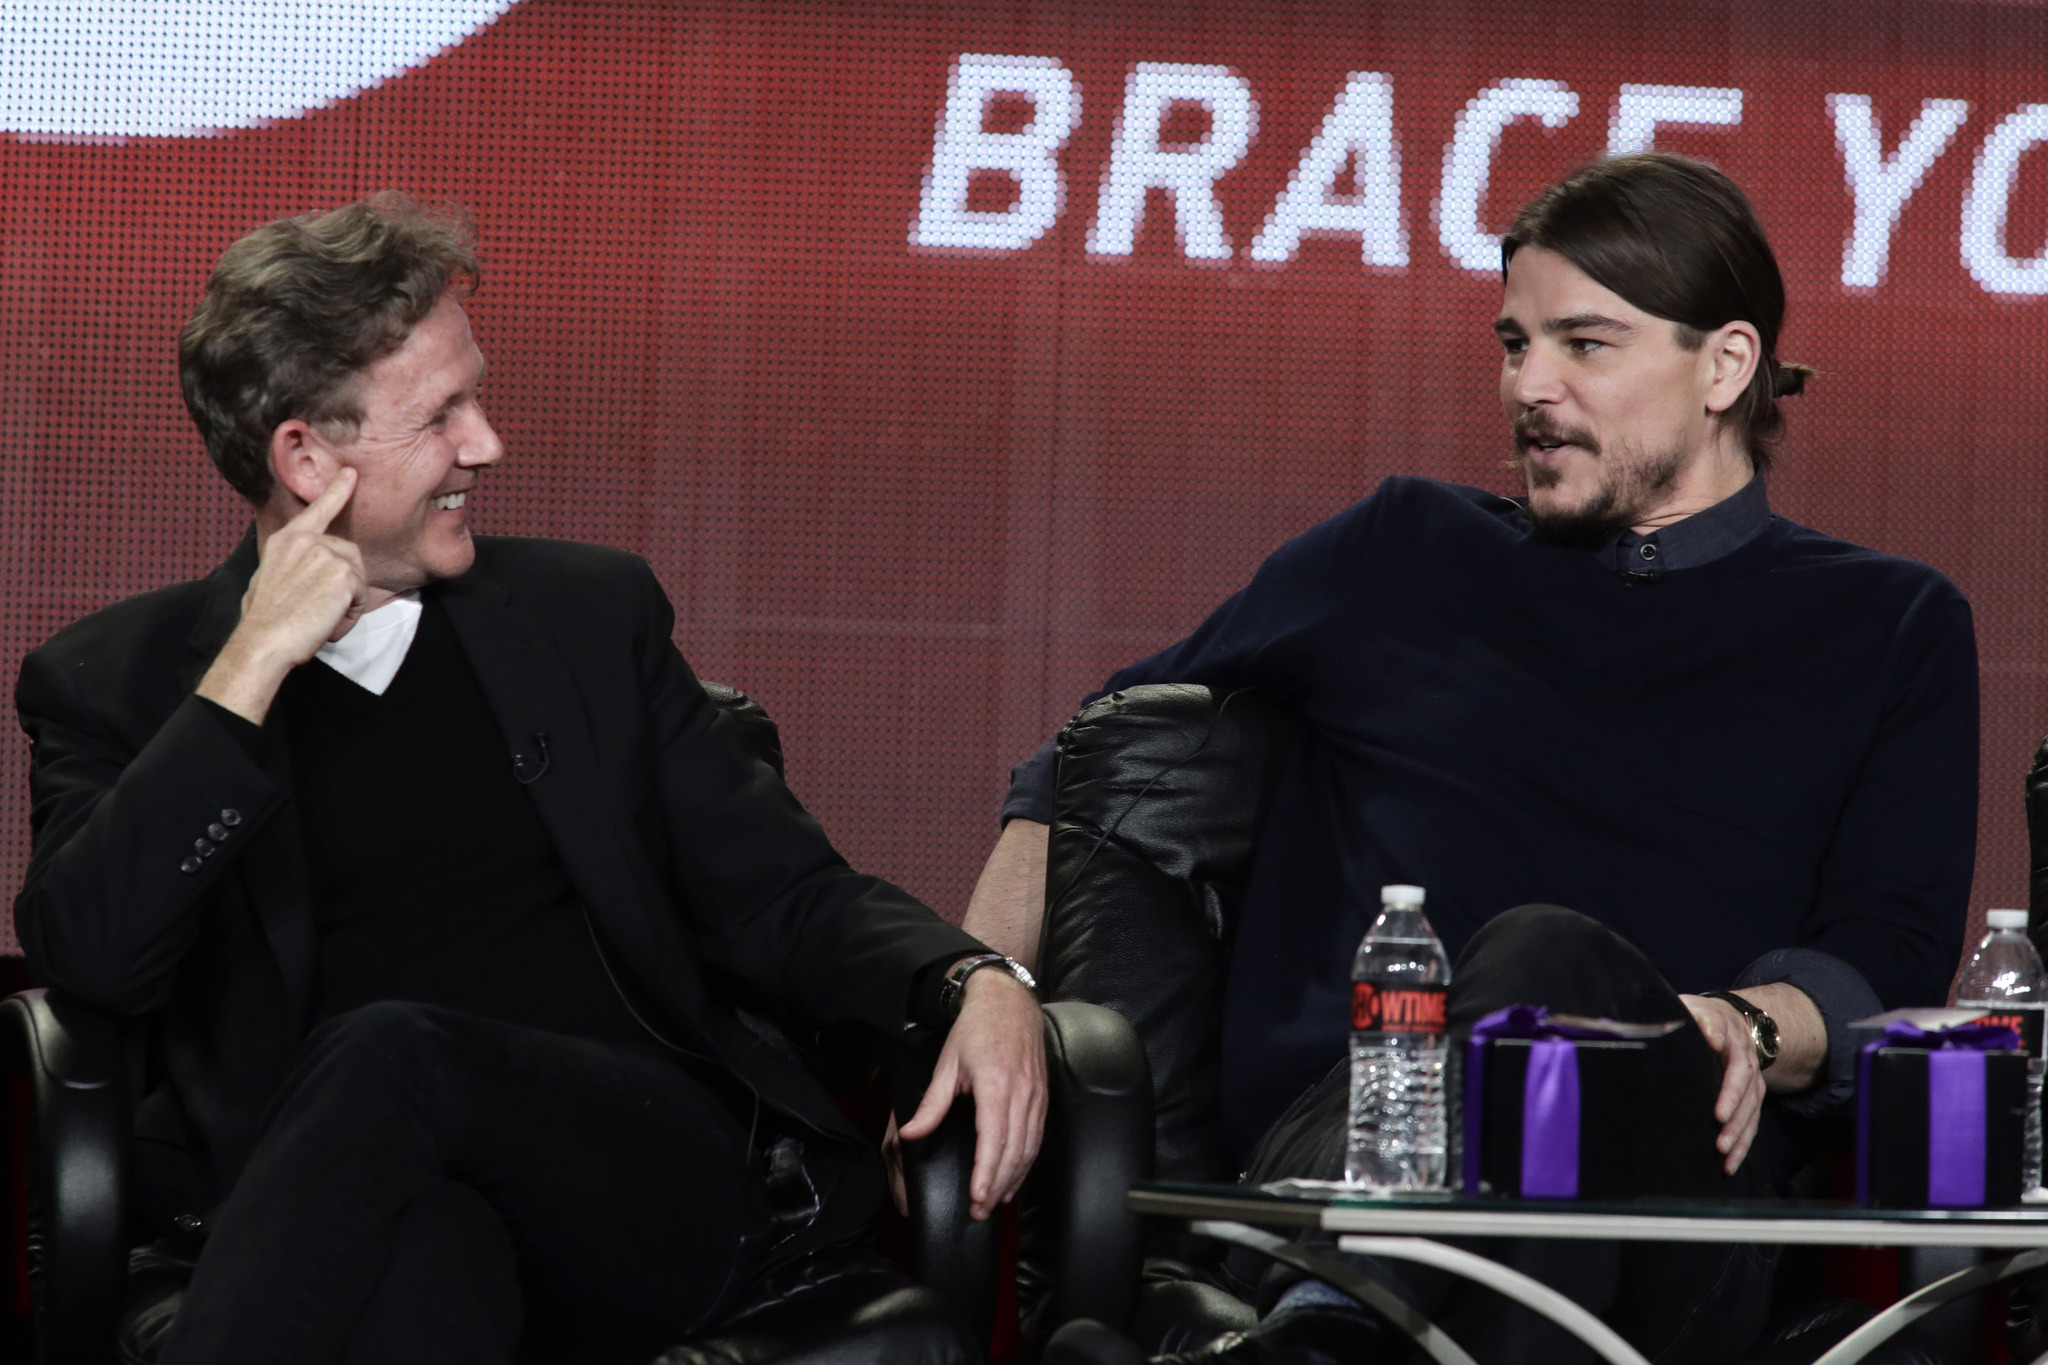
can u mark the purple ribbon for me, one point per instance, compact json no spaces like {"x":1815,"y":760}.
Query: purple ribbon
{"x":1955,"y":1106}
{"x":1550,"y":1098}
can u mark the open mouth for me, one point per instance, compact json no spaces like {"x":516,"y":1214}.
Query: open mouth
{"x":1543,"y":450}
{"x":1548,"y":444}
{"x":448,"y":502}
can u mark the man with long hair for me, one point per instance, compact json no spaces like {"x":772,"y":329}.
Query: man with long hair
{"x":1743,"y":753}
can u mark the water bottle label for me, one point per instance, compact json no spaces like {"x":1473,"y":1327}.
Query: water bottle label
{"x":1397,"y":1009}
{"x":2026,"y":1023}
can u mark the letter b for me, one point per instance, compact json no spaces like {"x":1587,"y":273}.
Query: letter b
{"x":1029,"y":156}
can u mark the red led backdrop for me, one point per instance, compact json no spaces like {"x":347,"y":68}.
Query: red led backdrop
{"x":918,"y":496}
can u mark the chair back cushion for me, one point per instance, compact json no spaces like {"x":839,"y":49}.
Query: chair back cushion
{"x":1160,"y":795}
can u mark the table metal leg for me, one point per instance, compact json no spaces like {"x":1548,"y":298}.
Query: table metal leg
{"x":1885,"y":1325}
{"x":1513,"y":1284}
{"x":1333,"y":1272}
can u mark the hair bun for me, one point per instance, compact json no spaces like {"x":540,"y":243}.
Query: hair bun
{"x":1790,"y":379}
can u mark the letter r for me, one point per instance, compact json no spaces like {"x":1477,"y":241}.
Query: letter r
{"x":1138,"y":162}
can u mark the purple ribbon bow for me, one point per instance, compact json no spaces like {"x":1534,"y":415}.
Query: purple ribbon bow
{"x":1955,"y":1106}
{"x":1550,"y":1098}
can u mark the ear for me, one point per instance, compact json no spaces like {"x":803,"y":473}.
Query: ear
{"x":301,"y":462}
{"x":1731,"y":352}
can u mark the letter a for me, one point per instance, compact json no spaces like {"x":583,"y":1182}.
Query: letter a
{"x":1362,"y":126}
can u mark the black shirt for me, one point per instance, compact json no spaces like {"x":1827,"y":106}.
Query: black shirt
{"x":432,"y":877}
{"x":1758,"y":762}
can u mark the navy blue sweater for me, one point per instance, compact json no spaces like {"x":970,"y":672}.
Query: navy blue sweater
{"x":1774,"y":750}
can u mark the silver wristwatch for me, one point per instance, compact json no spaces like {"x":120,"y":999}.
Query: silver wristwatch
{"x":955,"y":984}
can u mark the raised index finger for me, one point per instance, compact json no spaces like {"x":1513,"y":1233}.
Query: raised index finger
{"x":328,"y":505}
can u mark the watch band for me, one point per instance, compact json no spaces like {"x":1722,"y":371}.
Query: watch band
{"x":1763,"y":1030}
{"x":955,"y":985}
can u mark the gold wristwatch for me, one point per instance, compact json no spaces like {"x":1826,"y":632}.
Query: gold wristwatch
{"x":1763,"y":1030}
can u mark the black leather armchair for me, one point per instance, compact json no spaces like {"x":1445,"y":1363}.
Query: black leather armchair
{"x":97,"y":1302}
{"x":1160,"y":796}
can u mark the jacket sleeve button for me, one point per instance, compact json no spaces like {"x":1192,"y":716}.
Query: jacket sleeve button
{"x":203,"y":847}
{"x":189,"y":866}
{"x":216,"y":831}
{"x":231,"y":818}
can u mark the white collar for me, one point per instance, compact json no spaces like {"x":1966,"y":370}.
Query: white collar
{"x":370,"y":654}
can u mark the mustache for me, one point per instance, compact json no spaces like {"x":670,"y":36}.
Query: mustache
{"x":1539,"y":428}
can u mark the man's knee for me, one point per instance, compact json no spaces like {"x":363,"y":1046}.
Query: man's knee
{"x":1549,"y":955}
{"x":388,"y":1024}
{"x":384,"y":1041}
{"x":1545,"y":927}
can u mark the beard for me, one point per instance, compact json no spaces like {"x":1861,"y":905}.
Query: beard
{"x":1631,"y":483}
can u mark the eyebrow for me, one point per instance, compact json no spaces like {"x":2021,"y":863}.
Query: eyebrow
{"x":1587,"y":322}
{"x":1576,"y":322}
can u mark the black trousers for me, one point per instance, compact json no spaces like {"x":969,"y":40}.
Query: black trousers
{"x":433,"y":1186}
{"x":1676,"y":1303}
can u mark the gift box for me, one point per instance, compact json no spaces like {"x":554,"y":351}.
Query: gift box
{"x":1559,"y":1107}
{"x":1940,"y":1116}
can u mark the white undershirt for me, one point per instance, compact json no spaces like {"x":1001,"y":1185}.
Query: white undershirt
{"x":369,"y":655}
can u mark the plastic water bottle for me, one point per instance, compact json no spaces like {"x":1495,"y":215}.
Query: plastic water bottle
{"x":1398,"y":984}
{"x":2005,"y":976}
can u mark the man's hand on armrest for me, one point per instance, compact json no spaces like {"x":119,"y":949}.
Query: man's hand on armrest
{"x":1007,"y":909}
{"x":996,"y":1053}
{"x":1802,"y":1051}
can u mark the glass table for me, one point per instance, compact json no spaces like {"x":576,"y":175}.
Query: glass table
{"x":1403,"y":1226}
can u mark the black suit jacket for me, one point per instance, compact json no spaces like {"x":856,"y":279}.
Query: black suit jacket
{"x":705,"y":878}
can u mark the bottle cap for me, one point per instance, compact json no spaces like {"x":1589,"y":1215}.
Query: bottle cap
{"x":2006,"y":919}
{"x":1402,"y":897}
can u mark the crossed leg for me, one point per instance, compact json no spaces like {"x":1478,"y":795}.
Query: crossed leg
{"x":429,"y":1179}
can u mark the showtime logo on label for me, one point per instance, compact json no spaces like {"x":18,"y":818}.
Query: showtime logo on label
{"x":1409,"y":1009}
{"x":1359,"y":133}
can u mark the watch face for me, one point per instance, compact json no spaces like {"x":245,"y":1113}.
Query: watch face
{"x":1766,"y":1030}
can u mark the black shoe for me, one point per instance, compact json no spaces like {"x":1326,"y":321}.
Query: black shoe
{"x":1313,"y":1334}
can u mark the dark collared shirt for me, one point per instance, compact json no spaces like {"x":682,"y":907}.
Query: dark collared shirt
{"x":1701,"y":538}
{"x":1339,"y":613}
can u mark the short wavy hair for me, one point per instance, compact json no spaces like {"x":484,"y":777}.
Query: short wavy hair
{"x":1678,"y":239}
{"x":301,"y":306}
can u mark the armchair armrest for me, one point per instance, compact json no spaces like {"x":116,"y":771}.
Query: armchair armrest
{"x":951,"y":1254}
{"x":1098,"y":1141}
{"x":78,"y":1168}
{"x":1085,"y":1248}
